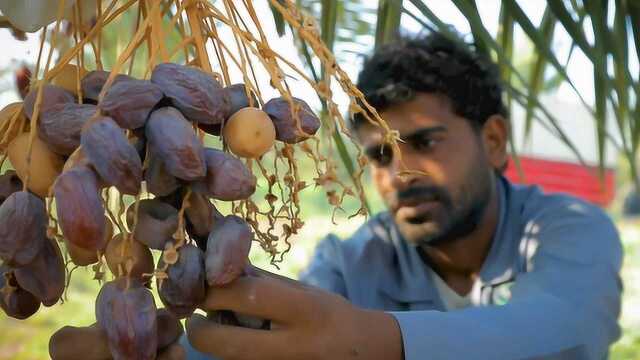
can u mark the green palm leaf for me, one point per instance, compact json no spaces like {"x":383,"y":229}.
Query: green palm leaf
{"x":505,"y":35}
{"x":616,"y":87}
{"x":388,"y":24}
{"x":536,"y":77}
{"x":543,"y":47}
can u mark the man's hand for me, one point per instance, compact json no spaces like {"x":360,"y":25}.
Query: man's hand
{"x":307,"y":323}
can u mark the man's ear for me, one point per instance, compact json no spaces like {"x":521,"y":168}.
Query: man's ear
{"x":495,"y":134}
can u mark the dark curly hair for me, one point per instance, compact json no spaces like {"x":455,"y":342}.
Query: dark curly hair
{"x":433,"y":64}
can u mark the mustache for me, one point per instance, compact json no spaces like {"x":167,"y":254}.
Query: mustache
{"x":417,"y":194}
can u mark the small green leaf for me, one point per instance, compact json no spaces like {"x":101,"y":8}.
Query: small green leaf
{"x":536,"y":77}
{"x":278,"y":19}
{"x":388,"y":24}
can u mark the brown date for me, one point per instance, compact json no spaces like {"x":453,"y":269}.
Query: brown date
{"x":184,"y":289}
{"x":169,"y":328}
{"x":79,"y":343}
{"x":159,"y":181}
{"x":43,"y":168}
{"x":126,"y":312}
{"x":44,"y":277}
{"x":14,"y":300}
{"x":68,"y":77}
{"x":198,"y":95}
{"x":51,"y":95}
{"x":139,"y":142}
{"x":9,"y":183}
{"x":79,"y":208}
{"x":201,"y":216}
{"x":60,"y":126}
{"x":227,"y":177}
{"x":23,"y":80}
{"x":23,"y":228}
{"x":84,"y":257}
{"x":292,"y":127}
{"x":93,"y":82}
{"x":157,"y":222}
{"x":6,"y":114}
{"x":77,"y":158}
{"x":227,"y":250}
{"x":129,"y":103}
{"x":122,"y":254}
{"x":114,"y":158}
{"x":238,"y":98}
{"x":172,"y":138}
{"x":175,"y":198}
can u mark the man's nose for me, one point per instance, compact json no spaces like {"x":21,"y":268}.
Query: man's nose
{"x":403,"y":174}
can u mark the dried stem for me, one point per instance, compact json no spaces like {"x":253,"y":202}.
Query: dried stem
{"x":276,"y":217}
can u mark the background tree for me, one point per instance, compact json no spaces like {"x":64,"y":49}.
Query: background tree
{"x":605,"y":31}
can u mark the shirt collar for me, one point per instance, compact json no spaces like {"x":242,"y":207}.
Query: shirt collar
{"x":405,"y":280}
{"x":499,"y":266}
{"x":408,"y":281}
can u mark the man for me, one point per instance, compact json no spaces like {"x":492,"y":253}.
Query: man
{"x":464,"y":265}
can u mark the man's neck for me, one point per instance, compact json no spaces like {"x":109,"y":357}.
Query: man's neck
{"x":459,"y":262}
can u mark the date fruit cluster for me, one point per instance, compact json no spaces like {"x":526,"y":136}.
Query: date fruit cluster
{"x":134,"y":132}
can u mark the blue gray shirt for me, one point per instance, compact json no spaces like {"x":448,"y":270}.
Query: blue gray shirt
{"x":549,"y":288}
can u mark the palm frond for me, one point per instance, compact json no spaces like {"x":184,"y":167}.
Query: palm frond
{"x":388,"y":22}
{"x":616,"y":86}
{"x":278,"y":19}
{"x":536,"y":77}
{"x":545,"y":48}
{"x":505,"y":36}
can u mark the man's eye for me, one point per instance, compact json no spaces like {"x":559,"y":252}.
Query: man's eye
{"x":380,"y":155}
{"x":424,"y":144}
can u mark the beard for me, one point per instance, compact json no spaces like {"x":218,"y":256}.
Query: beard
{"x":431,"y":215}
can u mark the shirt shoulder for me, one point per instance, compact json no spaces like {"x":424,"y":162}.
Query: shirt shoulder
{"x":533,"y":202}
{"x":564,"y":225}
{"x":351,"y":266}
{"x":372,"y":236}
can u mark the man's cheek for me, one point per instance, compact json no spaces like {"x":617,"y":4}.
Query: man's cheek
{"x":383,"y":184}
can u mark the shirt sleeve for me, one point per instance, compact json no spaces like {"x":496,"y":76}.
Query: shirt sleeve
{"x":565,"y":307}
{"x":324,"y":270}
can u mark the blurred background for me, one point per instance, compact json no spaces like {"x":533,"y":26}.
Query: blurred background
{"x":571,"y":74}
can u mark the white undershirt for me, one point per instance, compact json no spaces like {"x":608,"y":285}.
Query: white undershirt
{"x":451,"y":299}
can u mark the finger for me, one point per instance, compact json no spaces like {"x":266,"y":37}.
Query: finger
{"x":263,"y":297}
{"x":256,"y":271}
{"x":232,"y":342}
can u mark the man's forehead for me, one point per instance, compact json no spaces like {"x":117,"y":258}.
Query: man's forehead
{"x":424,"y":111}
{"x":424,"y":106}
{"x":370,"y":134}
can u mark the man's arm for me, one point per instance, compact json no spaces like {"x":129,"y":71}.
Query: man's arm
{"x":307,"y":323}
{"x":565,"y":307}
{"x":310,"y":319}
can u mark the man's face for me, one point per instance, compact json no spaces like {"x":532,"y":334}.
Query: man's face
{"x":449,"y":199}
